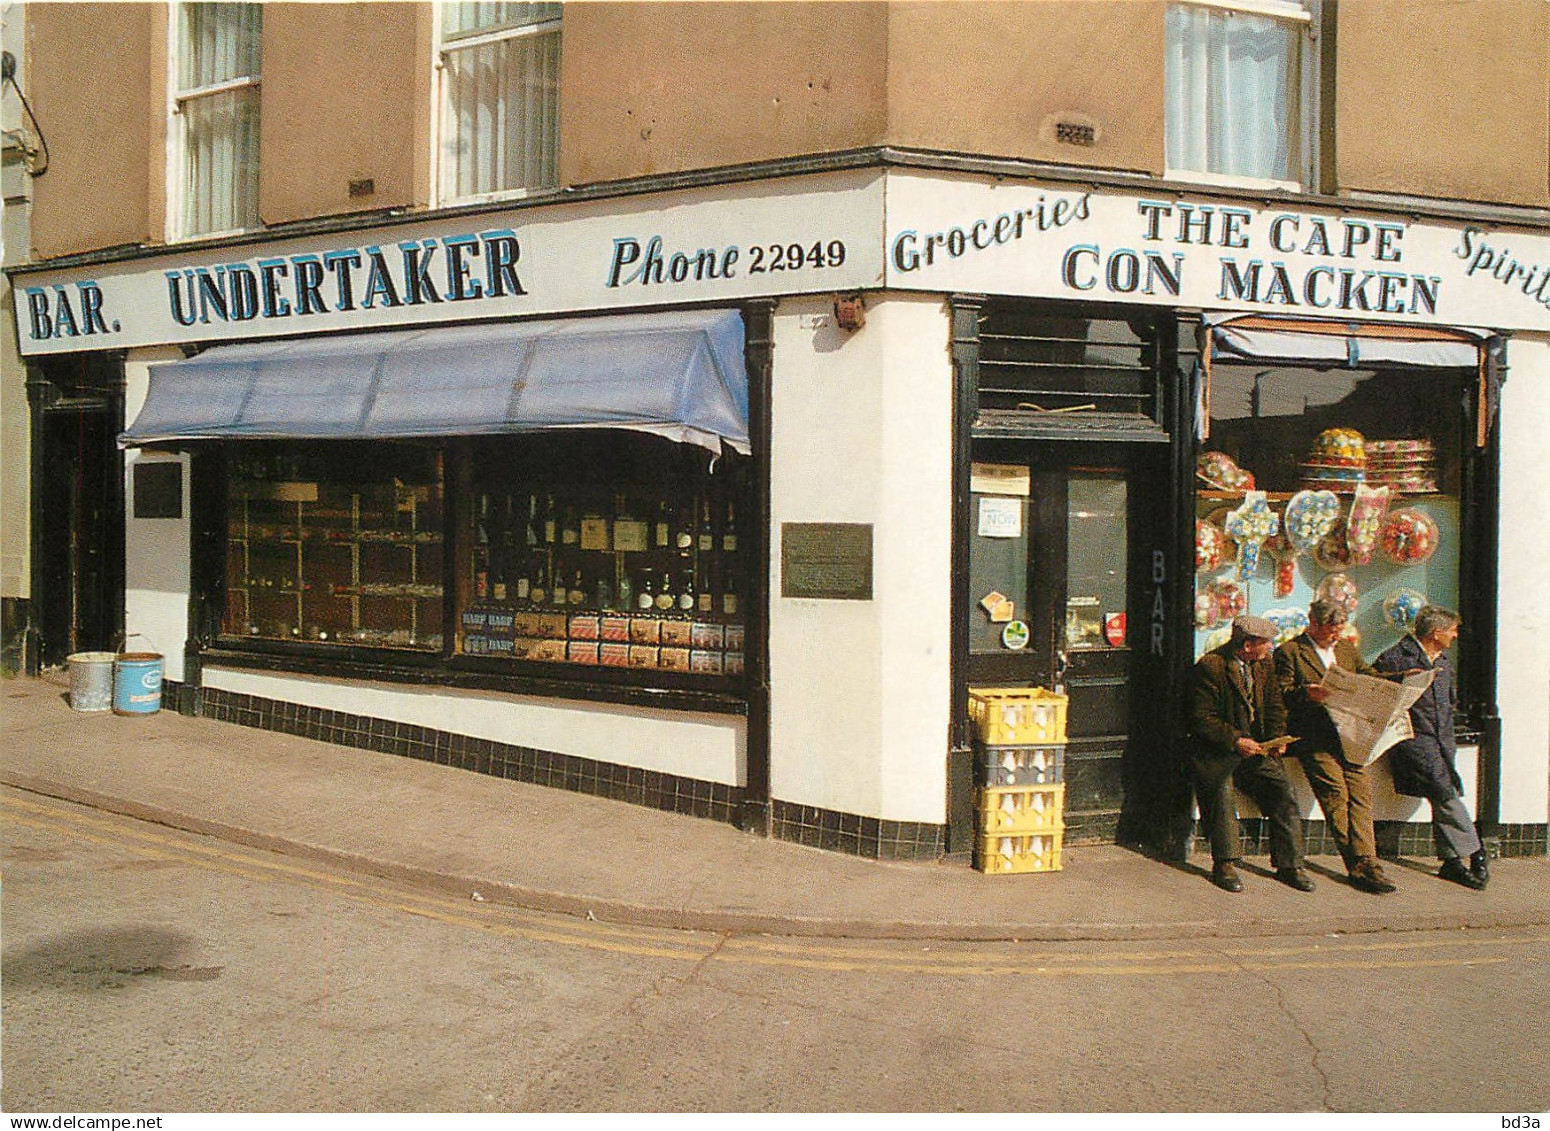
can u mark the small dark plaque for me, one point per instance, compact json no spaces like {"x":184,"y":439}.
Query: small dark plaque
{"x":827,"y":560}
{"x":159,"y":490}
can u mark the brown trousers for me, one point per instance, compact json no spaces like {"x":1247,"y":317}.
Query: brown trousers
{"x":1345,"y":795}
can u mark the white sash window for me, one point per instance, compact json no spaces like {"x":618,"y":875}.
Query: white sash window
{"x":499,"y":67}
{"x":1241,"y":92}
{"x":215,"y":115}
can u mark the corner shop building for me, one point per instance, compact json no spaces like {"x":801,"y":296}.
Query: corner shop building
{"x":834,"y":413}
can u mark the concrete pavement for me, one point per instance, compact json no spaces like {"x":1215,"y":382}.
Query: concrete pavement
{"x":459,"y":832}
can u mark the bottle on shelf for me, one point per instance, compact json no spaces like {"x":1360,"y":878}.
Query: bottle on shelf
{"x":551,"y":521}
{"x":729,"y":595}
{"x":647,"y":597}
{"x":686,"y":595}
{"x":683,"y":537}
{"x":570,"y":533}
{"x":559,"y":592}
{"x":663,"y":533}
{"x":482,"y":550}
{"x":624,"y":592}
{"x":532,"y":535}
{"x":666,"y":598}
{"x":705,"y":600}
{"x":603,"y":593}
{"x":576,"y":595}
{"x":537,"y":588}
{"x":707,"y":537}
{"x":729,"y":531}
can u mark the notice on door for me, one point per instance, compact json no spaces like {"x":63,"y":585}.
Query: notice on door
{"x":1000,"y":479}
{"x":1001,"y":517}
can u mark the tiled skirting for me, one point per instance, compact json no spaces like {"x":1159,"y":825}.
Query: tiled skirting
{"x":855,"y":834}
{"x":1395,"y":838}
{"x":804,"y":824}
{"x":651,"y":788}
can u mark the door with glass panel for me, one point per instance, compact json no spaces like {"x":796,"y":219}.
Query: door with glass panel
{"x":1050,"y":605}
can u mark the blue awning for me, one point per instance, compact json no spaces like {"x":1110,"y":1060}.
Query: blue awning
{"x":679,"y":375}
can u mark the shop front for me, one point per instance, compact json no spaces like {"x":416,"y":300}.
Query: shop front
{"x":720,"y":500}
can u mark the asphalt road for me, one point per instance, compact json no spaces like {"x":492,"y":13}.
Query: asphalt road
{"x":151,"y":970}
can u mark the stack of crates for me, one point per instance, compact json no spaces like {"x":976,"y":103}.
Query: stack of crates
{"x":1020,"y":759}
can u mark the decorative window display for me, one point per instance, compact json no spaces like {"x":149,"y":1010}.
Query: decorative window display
{"x":604,"y":550}
{"x":335,"y":544}
{"x":588,"y":549}
{"x":1339,"y":483}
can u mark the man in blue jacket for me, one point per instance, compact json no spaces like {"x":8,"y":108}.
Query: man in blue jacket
{"x":1423,"y":765}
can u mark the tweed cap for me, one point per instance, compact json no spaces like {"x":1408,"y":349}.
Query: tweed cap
{"x":1247,"y":625}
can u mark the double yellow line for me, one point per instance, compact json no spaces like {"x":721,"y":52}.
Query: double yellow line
{"x":938,"y":959}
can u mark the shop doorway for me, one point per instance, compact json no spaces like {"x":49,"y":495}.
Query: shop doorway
{"x":78,"y":518}
{"x":1058,"y":543}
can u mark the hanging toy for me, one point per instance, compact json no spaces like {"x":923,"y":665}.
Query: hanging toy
{"x":1409,"y":536}
{"x":1285,"y":558}
{"x":1250,"y":526}
{"x":1289,"y":623}
{"x":1206,"y":614}
{"x":1365,"y":521}
{"x":1212,"y":548}
{"x":1400,"y":608}
{"x":1339,"y":588}
{"x":1310,"y":515}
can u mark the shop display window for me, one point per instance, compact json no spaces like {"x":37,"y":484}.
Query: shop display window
{"x":335,"y":543}
{"x":1336,"y":483}
{"x":604,"y":549}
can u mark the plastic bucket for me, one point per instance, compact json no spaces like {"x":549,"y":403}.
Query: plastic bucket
{"x":137,"y":683}
{"x":91,"y":680}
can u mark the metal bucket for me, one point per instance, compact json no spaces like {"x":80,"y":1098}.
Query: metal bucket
{"x":137,"y":683}
{"x":91,"y":680}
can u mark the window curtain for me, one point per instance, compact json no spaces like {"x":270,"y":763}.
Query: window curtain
{"x":220,"y":43}
{"x":1233,"y":93}
{"x":501,"y":100}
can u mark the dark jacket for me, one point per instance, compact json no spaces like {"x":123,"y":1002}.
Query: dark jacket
{"x":1423,"y":765}
{"x":1298,"y":667}
{"x":1220,"y":713}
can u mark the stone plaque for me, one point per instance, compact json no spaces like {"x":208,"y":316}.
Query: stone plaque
{"x":158,"y":490}
{"x":827,"y":560}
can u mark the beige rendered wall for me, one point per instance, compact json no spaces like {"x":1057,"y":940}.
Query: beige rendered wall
{"x":660,"y":87}
{"x":97,"y":78}
{"x":993,"y":78}
{"x":1445,"y":99}
{"x":346,"y":96}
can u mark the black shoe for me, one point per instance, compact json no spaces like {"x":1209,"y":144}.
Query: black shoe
{"x":1479,"y":867}
{"x":1225,"y":876}
{"x":1295,"y":878}
{"x":1367,"y":875}
{"x":1457,"y":871}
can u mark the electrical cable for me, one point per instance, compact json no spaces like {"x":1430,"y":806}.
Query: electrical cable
{"x":8,"y":78}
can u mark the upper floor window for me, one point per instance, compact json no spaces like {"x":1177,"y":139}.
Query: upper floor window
{"x":215,"y":106}
{"x":1241,"y":89}
{"x":500,"y":78}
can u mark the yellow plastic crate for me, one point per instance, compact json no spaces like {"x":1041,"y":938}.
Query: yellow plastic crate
{"x":1022,"y":809}
{"x":1018,"y":716}
{"x":1000,"y":854}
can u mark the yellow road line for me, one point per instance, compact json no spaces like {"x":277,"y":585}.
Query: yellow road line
{"x":759,"y":951}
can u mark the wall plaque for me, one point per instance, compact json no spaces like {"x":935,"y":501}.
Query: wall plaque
{"x":826,"y":560}
{"x":158,"y":490}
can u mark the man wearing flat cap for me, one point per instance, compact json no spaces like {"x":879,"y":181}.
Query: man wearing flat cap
{"x":1237,"y":708}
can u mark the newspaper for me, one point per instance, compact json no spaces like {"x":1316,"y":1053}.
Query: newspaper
{"x":1371,"y":714}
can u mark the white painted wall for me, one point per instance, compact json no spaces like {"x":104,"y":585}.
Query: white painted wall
{"x":707,"y":747}
{"x":156,"y":550}
{"x":862,"y":432}
{"x":1523,"y":632}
